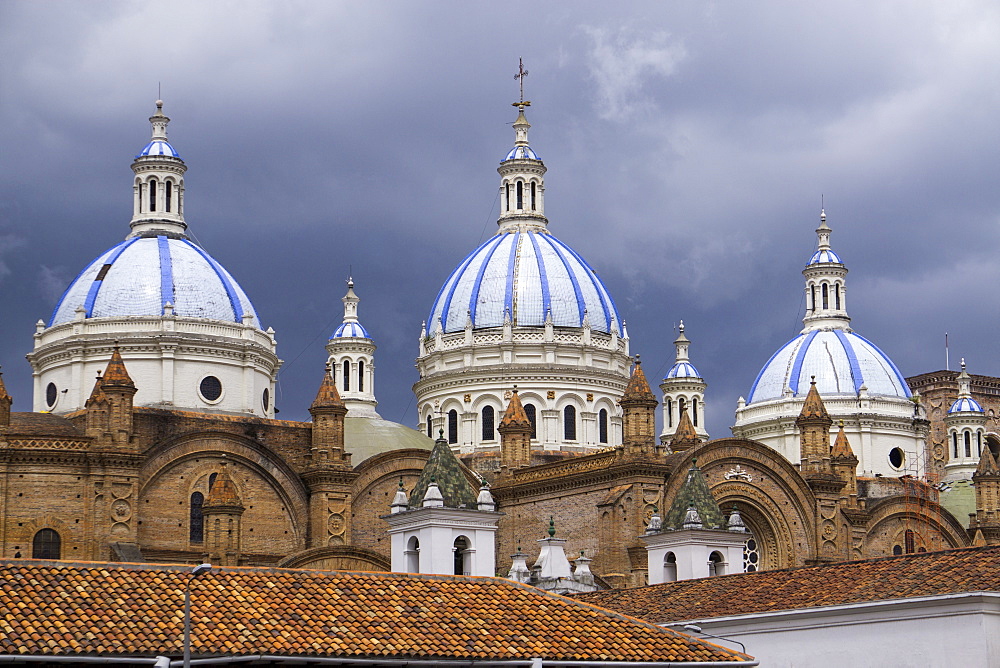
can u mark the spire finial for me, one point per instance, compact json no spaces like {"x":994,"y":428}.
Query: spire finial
{"x":552,"y":527}
{"x":521,"y":73}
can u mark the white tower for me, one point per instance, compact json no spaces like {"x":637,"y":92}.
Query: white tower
{"x":966,"y":425}
{"x":858,"y":382}
{"x":523,"y":309}
{"x":186,"y":329}
{"x":683,"y":388}
{"x":352,"y":360}
{"x":445,"y":528}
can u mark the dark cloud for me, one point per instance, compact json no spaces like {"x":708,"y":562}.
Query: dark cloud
{"x":688,"y":146}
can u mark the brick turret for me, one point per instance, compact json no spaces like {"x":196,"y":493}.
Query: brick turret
{"x":845,"y":465}
{"x":110,"y":406}
{"x":328,"y":411}
{"x":223,"y":512}
{"x":638,"y":414}
{"x":5,"y":402}
{"x":515,"y":435}
{"x":685,"y":437}
{"x":986,"y":480}
{"x":814,"y":433}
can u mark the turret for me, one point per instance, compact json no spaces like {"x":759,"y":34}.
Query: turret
{"x":110,"y":406}
{"x":683,"y":389}
{"x":814,"y":433}
{"x":5,"y":403}
{"x":826,"y":290}
{"x":522,"y":182}
{"x":158,"y":189}
{"x":845,"y":464}
{"x":638,"y":414}
{"x":515,"y":435}
{"x":352,"y":359}
{"x":966,"y":431}
{"x":986,"y":479}
{"x":328,"y":411}
{"x":223,"y":512}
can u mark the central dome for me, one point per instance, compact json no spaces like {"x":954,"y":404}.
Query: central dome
{"x":139,"y":276}
{"x":523,"y":275}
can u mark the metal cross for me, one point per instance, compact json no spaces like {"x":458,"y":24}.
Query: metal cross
{"x":521,"y":73}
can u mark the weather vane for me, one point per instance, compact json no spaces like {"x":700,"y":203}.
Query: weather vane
{"x":521,"y":73}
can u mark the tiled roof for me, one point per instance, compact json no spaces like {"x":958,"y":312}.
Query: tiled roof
{"x":987,"y":465}
{"x":223,"y":492}
{"x":685,"y":436}
{"x":638,"y":387}
{"x":694,"y":493}
{"x":444,"y":469}
{"x":813,"y":406}
{"x":116,"y":610}
{"x":327,"y":396}
{"x":515,"y":415}
{"x":116,"y":374}
{"x":42,"y":424}
{"x":842,"y":447}
{"x":844,"y":583}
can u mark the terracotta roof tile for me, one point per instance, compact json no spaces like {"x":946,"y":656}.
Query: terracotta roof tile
{"x":131,"y":610}
{"x":223,"y":492}
{"x":42,"y":424}
{"x":515,"y":415}
{"x":685,"y":437}
{"x":987,"y":465}
{"x":638,"y":388}
{"x":813,"y":407}
{"x":116,"y":374}
{"x":327,"y":396}
{"x":844,"y":583}
{"x":841,"y":446}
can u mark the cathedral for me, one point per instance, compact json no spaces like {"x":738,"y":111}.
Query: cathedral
{"x":153,"y":435}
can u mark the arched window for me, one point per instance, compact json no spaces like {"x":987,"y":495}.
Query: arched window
{"x":453,"y":426}
{"x":508,"y":197}
{"x":716,"y":564}
{"x":529,"y":410}
{"x":968,"y":444}
{"x":489,"y":431}
{"x":361,"y":376}
{"x":168,"y":193}
{"x":954,"y":444}
{"x":430,"y":427}
{"x":670,"y":567}
{"x":979,"y":444}
{"x":694,"y":411}
{"x":152,"y":195}
{"x":197,"y":519}
{"x":533,"y":196}
{"x":826,"y":297}
{"x":812,"y":288}
{"x":909,"y":539}
{"x":569,"y":423}
{"x":520,"y":195}
{"x":602,"y":426}
{"x":413,"y":555}
{"x":836,"y":289}
{"x":681,"y":404}
{"x":462,"y":565}
{"x":46,"y":545}
{"x":670,"y":412}
{"x":347,"y":375}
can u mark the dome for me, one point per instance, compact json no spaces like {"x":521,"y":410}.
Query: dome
{"x":158,"y":147}
{"x":965,"y":405}
{"x":824,"y":256}
{"x":842,"y":362}
{"x":521,"y":153}
{"x":682,"y":370}
{"x":351,"y":330}
{"x":524,"y":275}
{"x":140,"y":275}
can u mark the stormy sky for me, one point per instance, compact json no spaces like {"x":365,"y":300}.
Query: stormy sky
{"x":688,"y":145}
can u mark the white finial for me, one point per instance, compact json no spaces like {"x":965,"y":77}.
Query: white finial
{"x":963,"y":364}
{"x":680,"y":327}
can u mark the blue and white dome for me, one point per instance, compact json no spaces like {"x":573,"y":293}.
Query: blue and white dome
{"x":140,"y":275}
{"x":682,"y":370}
{"x":965,"y":405}
{"x":521,"y":153}
{"x":842,"y":361}
{"x":351,"y":330}
{"x":824,"y":256}
{"x":158,"y":147}
{"x":525,"y":275}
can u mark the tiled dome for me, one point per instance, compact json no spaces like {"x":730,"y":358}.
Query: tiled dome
{"x":823,"y":256}
{"x":682,"y":370}
{"x":140,"y":275}
{"x":351,"y":330}
{"x":523,"y":275}
{"x":842,"y":361}
{"x":521,"y":153}
{"x":158,"y":147}
{"x":966,"y":405}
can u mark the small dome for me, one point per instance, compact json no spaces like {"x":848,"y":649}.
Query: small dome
{"x":682,"y":370}
{"x":842,"y":362}
{"x":523,"y":276}
{"x":521,"y":153}
{"x":158,"y":147}
{"x":140,"y":275}
{"x":824,"y":256}
{"x":965,"y":405}
{"x":351,"y":330}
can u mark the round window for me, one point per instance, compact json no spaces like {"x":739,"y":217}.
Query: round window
{"x":897,"y":458}
{"x":51,"y":394}
{"x":265,"y":399}
{"x":210,"y":388}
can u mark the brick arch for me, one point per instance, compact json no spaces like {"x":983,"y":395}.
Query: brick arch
{"x":776,"y":502}
{"x":337,"y":558}
{"x":276,"y":498}
{"x":890,"y":517}
{"x":373,"y":491}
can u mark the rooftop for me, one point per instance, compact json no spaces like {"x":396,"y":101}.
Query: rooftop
{"x":104,"y":609}
{"x":845,"y":583}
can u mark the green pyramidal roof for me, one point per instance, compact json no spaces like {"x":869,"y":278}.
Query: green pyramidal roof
{"x":695,"y":492}
{"x":447,"y":472}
